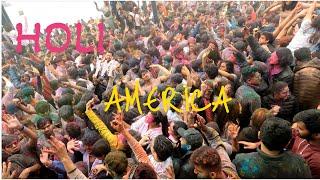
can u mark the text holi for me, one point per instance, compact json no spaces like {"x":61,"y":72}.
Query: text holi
{"x":80,"y":48}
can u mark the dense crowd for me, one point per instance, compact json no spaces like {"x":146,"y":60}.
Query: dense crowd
{"x":264,"y":56}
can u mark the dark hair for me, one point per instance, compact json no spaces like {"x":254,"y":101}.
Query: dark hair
{"x":302,"y":54}
{"x":176,"y":78}
{"x":278,"y":86}
{"x":90,"y":137}
{"x":165,"y":44}
{"x":285,"y":56}
{"x":316,"y":25}
{"x":73,"y":130}
{"x":196,"y":65}
{"x":160,"y":118}
{"x":162,"y":147}
{"x":73,"y":72}
{"x":268,"y":36}
{"x":311,"y":118}
{"x":177,"y":125}
{"x":42,"y":122}
{"x":222,"y":117}
{"x":211,"y":70}
{"x":144,"y":171}
{"x":176,"y":100}
{"x":241,"y":21}
{"x":248,"y":134}
{"x":289,"y":7}
{"x":207,"y":158}
{"x":275,"y":133}
{"x":101,"y":148}
{"x":229,"y":65}
{"x":248,"y":72}
{"x":117,"y":162}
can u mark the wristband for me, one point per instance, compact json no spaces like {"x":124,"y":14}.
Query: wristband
{"x":72,"y":171}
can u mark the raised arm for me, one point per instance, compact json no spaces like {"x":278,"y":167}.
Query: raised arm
{"x":14,"y":123}
{"x":101,"y":127}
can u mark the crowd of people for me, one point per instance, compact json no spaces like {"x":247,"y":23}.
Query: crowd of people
{"x":264,"y":55}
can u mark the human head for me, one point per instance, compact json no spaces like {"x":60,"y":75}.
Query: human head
{"x":42,"y":107}
{"x":266,"y":38}
{"x":285,"y":57}
{"x":117,"y":163}
{"x":10,"y":143}
{"x":144,"y":171}
{"x":174,"y":126}
{"x":158,"y":118}
{"x":191,"y":137}
{"x":89,"y":138}
{"x":66,"y":113}
{"x":302,"y":54}
{"x":19,"y":162}
{"x":211,"y":71}
{"x":259,"y":116}
{"x":73,"y":130}
{"x":100,"y":149}
{"x":251,"y":75}
{"x":66,"y":99}
{"x":275,"y":133}
{"x":145,"y":75}
{"x":280,"y":90}
{"x":207,"y":162}
{"x":226,"y":66}
{"x":45,"y":124}
{"x":161,"y":148}
{"x":308,"y":122}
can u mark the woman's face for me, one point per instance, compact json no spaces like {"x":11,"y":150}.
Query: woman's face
{"x":223,"y":67}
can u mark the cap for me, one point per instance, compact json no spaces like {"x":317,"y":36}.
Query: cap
{"x":192,"y":136}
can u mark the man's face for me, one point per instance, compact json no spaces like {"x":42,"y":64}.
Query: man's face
{"x":201,"y":172}
{"x":148,"y":62}
{"x":263,"y":40}
{"x":13,"y":148}
{"x":47,"y":129}
{"x":108,"y":56}
{"x":88,"y":148}
{"x":303,"y":131}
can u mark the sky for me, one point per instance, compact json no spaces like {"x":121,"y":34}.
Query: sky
{"x":47,"y":12}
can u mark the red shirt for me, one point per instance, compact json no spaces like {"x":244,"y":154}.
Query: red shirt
{"x":311,"y":154}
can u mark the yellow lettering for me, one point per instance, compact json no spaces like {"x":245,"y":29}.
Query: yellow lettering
{"x":186,"y":96}
{"x":149,"y":101}
{"x":222,"y":99}
{"x":130,"y":100}
{"x":114,"y":99}
{"x":194,"y":108}
{"x":167,"y":101}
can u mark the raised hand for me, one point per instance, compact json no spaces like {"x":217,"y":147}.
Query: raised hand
{"x":58,"y":148}
{"x":72,"y":146}
{"x":13,"y":122}
{"x":44,"y":157}
{"x":201,"y":122}
{"x":233,"y":130}
{"x":6,"y":171}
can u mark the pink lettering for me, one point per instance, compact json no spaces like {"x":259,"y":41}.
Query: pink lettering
{"x":48,"y":42}
{"x":34,"y":37}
